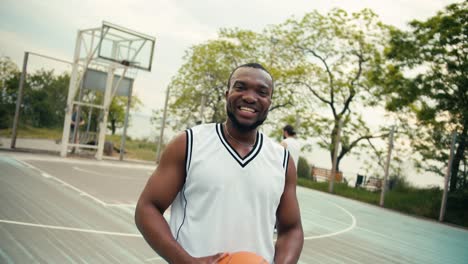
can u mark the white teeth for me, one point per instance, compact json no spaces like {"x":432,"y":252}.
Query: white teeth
{"x":247,"y":109}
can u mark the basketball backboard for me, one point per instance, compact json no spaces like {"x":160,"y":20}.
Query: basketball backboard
{"x":126,"y":46}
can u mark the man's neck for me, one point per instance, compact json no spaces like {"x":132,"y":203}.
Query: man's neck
{"x":245,"y":136}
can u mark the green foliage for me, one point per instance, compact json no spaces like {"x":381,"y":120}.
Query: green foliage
{"x":435,"y":97}
{"x":141,"y":149}
{"x":117,"y":110}
{"x":44,"y":100}
{"x":197,"y":92}
{"x":334,"y":59}
{"x":303,"y":168}
{"x":9,"y":80}
{"x":44,"y":96}
{"x":342,"y":189}
{"x":34,"y":132}
{"x":318,"y":62}
{"x":457,"y":208}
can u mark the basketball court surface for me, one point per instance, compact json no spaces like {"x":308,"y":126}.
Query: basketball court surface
{"x":65,"y":210}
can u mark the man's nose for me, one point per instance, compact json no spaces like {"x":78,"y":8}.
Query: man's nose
{"x":250,"y":97}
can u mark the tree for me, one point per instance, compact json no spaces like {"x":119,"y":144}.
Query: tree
{"x":9,"y":80}
{"x":335,"y":58}
{"x":45,"y":96}
{"x":117,"y":110}
{"x":197,"y":92}
{"x":436,"y":94}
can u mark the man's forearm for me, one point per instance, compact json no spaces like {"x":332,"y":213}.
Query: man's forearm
{"x":156,"y":232}
{"x":289,"y":246}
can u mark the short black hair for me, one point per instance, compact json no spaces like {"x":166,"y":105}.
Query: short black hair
{"x":290,"y":130}
{"x":254,"y":65}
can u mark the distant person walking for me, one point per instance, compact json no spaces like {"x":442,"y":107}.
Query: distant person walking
{"x":291,"y":143}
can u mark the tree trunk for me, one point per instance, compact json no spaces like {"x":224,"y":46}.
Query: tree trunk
{"x":113,"y":126}
{"x":334,"y":145}
{"x":459,"y":152}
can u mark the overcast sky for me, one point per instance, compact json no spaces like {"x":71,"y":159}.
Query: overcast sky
{"x":49,"y":27}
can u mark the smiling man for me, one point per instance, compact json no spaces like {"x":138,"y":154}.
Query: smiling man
{"x":227,"y":183}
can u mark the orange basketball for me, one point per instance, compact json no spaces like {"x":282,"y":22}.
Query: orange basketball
{"x":243,"y":257}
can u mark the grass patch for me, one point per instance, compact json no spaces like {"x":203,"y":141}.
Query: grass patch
{"x":136,"y":148}
{"x":342,"y":189}
{"x":34,"y":132}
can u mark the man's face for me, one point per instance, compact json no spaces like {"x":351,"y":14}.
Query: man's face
{"x":249,"y":97}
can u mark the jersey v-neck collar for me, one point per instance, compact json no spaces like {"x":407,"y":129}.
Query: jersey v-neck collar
{"x":250,"y":156}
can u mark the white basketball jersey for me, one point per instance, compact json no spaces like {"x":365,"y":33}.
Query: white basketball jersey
{"x":228,"y":203}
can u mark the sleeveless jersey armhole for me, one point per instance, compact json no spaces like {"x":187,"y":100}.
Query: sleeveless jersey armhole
{"x":285,"y":161}
{"x":188,"y":150}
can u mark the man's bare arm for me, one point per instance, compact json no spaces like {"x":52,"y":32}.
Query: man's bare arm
{"x":290,"y":234}
{"x":158,"y":194}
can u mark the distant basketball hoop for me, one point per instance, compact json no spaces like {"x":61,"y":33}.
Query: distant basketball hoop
{"x":106,"y":60}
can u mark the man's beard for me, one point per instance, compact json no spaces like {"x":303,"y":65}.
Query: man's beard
{"x":243,"y":127}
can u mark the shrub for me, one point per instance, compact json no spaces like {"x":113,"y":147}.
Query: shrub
{"x":303,"y":168}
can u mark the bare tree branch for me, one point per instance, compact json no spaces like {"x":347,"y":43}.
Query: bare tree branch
{"x":330,"y":76}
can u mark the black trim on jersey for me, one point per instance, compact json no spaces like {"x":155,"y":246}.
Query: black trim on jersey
{"x":188,"y":159}
{"x":250,"y":156}
{"x":285,"y":158}
{"x":188,"y":150}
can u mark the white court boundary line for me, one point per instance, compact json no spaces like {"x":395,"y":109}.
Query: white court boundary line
{"x":72,"y":229}
{"x":48,"y":176}
{"x":349,"y":228}
{"x":102,"y":163}
{"x":79,"y":191}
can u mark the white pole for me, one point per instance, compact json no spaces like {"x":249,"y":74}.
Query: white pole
{"x":447,"y":178}
{"x":106,"y":104}
{"x":71,"y":94}
{"x":124,"y":134}
{"x":387,"y":166}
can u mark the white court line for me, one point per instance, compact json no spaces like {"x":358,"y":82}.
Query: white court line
{"x":121,"y":205}
{"x":80,"y":192}
{"x":152,"y":259}
{"x":103,"y":163}
{"x":88,"y":171}
{"x":353,"y":225}
{"x":72,"y":229}
{"x":102,"y":174}
{"x":46,"y":175}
